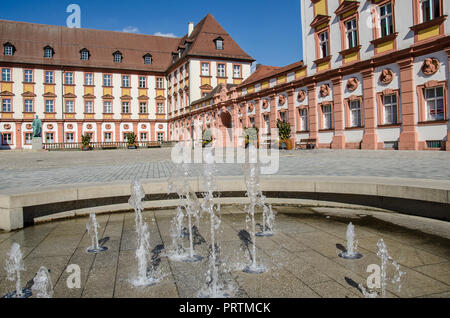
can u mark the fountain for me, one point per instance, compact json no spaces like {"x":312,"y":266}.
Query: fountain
{"x":92,"y":228}
{"x":382,"y":252}
{"x":252,"y":171}
{"x":352,"y":244}
{"x":42,"y":286}
{"x":147,"y":275}
{"x":188,"y":202}
{"x":14,"y":265}
{"x":215,"y":288}
{"x":268,"y":217}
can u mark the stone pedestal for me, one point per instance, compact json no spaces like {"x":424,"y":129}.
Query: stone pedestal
{"x":36,"y":143}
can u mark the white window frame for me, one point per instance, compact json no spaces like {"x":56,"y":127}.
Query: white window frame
{"x":7,"y":141}
{"x":107,"y":79}
{"x":327,"y":115}
{"x":107,"y":107}
{"x":351,"y":33}
{"x":28,"y":76}
{"x":205,"y":69}
{"x":221,"y":69}
{"x":9,"y":50}
{"x":160,"y":83}
{"x":148,"y":60}
{"x":143,"y":137}
{"x":126,"y":81}
{"x":160,"y":136}
{"x":160,"y":108}
{"x":70,"y":106}
{"x":388,"y":17}
{"x":88,"y":79}
{"x":89,"y":107}
{"x":26,"y":105}
{"x":6,"y":75}
{"x":127,"y":105}
{"x":324,"y":43}
{"x":303,"y":114}
{"x":219,"y":44}
{"x":117,"y":58}
{"x":109,"y":135}
{"x":68,"y":78}
{"x":238,"y":73}
{"x":390,"y":109}
{"x":48,"y":103}
{"x":434,"y":100}
{"x":85,"y":55}
{"x":70,"y":137}
{"x":6,"y":105}
{"x":142,"y":81}
{"x":50,"y":140}
{"x":48,"y":53}
{"x":432,"y":14}
{"x":49,"y":77}
{"x":143,"y":106}
{"x":355,"y":113}
{"x":28,"y":138}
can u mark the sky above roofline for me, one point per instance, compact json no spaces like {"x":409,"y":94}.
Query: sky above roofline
{"x":268,"y":31}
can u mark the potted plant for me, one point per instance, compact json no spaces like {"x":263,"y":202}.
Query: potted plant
{"x":131,"y":139}
{"x":284,"y":132}
{"x":85,"y":142}
{"x":251,"y":135}
{"x":206,"y":137}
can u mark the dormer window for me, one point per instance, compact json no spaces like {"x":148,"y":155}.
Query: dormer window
{"x":85,"y":55}
{"x":219,"y":43}
{"x":8,"y":49}
{"x":48,"y":52}
{"x":117,"y":57}
{"x":147,"y":59}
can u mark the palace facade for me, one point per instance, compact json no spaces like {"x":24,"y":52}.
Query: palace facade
{"x":107,"y":84}
{"x":375,"y":75}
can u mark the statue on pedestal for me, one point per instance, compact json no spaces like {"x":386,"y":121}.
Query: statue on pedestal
{"x":37,"y":127}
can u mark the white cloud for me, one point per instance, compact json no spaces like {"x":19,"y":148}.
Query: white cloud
{"x":167,"y":35}
{"x":130,"y":29}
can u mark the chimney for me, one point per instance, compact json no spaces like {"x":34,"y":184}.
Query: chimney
{"x":190,"y":28}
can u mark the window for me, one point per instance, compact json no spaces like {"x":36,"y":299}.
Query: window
{"x":160,"y":108}
{"x":220,"y":70}
{"x":324,"y":44}
{"x":283,"y":117}
{"x":49,"y":106}
{"x":390,"y":109}
{"x":303,"y":114}
{"x":69,"y":106}
{"x":6,"y":75}
{"x":88,"y":79}
{"x":49,"y":138}
{"x":355,"y":113}
{"x":89,"y":107}
{"x":7,"y":139}
{"x":48,"y":52}
{"x":117,"y":57}
{"x":125,"y":136}
{"x":69,"y":137}
{"x":143,"y":137}
{"x":267,"y":123}
{"x":143,"y":108}
{"x":125,"y":107}
{"x":327,"y":117}
{"x":386,"y":20}
{"x":107,"y":80}
{"x":160,"y":137}
{"x":28,"y":76}
{"x":252,"y":121}
{"x":6,"y":105}
{"x":205,"y":69}
{"x":107,"y":108}
{"x":219,"y":44}
{"x":430,"y":9}
{"x":434,"y":100}
{"x":28,"y":138}
{"x":68,"y":78}
{"x":237,"y":71}
{"x":125,"y":81}
{"x":48,"y":77}
{"x":142,"y":82}
{"x":160,"y":83}
{"x":352,"y":33}
{"x":8,"y":49}
{"x":85,"y":55}
{"x":108,"y":137}
{"x":28,"y":106}
{"x":148,"y":59}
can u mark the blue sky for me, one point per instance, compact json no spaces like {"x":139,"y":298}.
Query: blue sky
{"x":270,"y":31}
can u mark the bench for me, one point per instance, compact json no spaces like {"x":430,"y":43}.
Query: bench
{"x":307,"y":144}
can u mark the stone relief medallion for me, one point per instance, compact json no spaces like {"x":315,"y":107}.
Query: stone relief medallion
{"x":144,"y":126}
{"x":324,"y":90}
{"x":386,"y":76}
{"x":352,"y":84}
{"x":89,"y":126}
{"x":7,"y":126}
{"x":281,"y":100}
{"x":430,"y":66}
{"x":126,"y":126}
{"x":301,"y":96}
{"x":29,"y":126}
{"x":160,"y":126}
{"x":69,"y":126}
{"x":108,"y":126}
{"x":250,"y":108}
{"x":50,"y":126}
{"x":265,"y":104}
